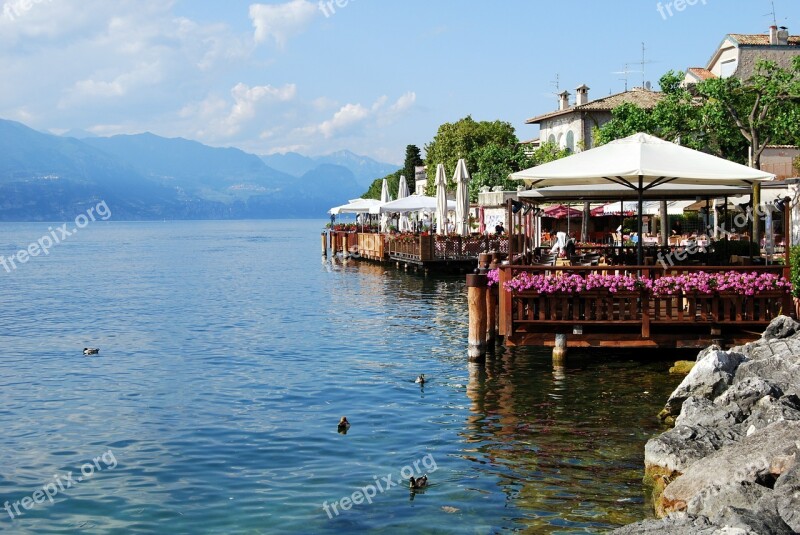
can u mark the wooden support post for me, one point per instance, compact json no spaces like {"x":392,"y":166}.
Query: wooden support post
{"x":491,"y":317}
{"x":345,"y":249}
{"x":324,"y":245}
{"x":560,"y":350}
{"x":476,"y":298}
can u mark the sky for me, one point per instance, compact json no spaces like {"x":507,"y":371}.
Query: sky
{"x":370,"y":76}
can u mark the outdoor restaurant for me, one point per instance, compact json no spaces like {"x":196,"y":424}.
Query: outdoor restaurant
{"x":637,"y":243}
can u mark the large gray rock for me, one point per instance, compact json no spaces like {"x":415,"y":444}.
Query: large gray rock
{"x":701,"y":412}
{"x":787,"y":495}
{"x":709,"y":378}
{"x":759,"y":458}
{"x":743,"y":394}
{"x":780,"y":328}
{"x":775,"y":369}
{"x":747,"y":521}
{"x":769,"y":410}
{"x":788,"y":348}
{"x":680,"y":447}
{"x":673,"y":524}
{"x":714,"y":499}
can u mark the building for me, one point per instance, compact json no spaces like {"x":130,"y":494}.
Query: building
{"x":420,"y":179}
{"x":738,"y":54}
{"x":572,"y":125}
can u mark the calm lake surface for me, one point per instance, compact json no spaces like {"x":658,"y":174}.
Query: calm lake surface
{"x":228,"y":353}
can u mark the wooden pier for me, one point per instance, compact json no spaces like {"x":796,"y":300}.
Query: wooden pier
{"x":419,"y":251}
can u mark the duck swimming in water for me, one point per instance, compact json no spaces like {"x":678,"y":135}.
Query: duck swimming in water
{"x":90,"y":351}
{"x":421,"y":379}
{"x":344,"y":425}
{"x":419,"y":483}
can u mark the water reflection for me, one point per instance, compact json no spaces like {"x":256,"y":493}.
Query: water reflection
{"x":566,"y":441}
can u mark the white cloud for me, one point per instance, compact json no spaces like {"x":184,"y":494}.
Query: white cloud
{"x":279,"y":22}
{"x":403,"y":103}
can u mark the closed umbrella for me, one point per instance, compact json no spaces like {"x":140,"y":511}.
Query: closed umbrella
{"x":461,"y":178}
{"x":404,"y":224}
{"x":384,"y":199}
{"x":441,"y":200}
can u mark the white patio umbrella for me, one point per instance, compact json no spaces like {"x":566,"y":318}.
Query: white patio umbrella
{"x":412,"y":203}
{"x":385,"y":197}
{"x":404,"y":225}
{"x":641,"y":163}
{"x":441,"y":200}
{"x":462,"y":178}
{"x":356,"y":206}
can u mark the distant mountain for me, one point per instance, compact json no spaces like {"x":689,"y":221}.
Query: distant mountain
{"x":78,"y":134}
{"x":144,"y":176}
{"x":290,"y":163}
{"x":364,"y":169}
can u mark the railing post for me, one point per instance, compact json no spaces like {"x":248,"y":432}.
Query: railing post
{"x":476,"y":297}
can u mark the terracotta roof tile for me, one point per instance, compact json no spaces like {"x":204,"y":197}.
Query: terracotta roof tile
{"x":641,"y":97}
{"x":702,"y":74}
{"x":761,"y":39}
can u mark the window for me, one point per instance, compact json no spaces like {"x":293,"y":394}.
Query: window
{"x":727,"y":68}
{"x":551,"y":139}
{"x":570,"y":144}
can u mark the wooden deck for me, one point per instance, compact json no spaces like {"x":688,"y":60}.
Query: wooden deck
{"x":428,"y":252}
{"x":635,"y":319}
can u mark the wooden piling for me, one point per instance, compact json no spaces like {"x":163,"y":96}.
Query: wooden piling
{"x":476,"y":298}
{"x":345,"y":249}
{"x":491,"y":318}
{"x":324,"y":245}
{"x":560,"y":350}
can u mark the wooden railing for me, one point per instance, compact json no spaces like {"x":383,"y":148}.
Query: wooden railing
{"x":437,"y":248}
{"x":639,"y":311}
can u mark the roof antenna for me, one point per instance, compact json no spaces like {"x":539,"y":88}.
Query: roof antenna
{"x":774,"y":14}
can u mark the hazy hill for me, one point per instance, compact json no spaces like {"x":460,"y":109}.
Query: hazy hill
{"x":144,"y":176}
{"x":364,"y":169}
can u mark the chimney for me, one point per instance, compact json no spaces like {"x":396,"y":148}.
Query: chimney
{"x":783,"y":36}
{"x":773,"y":35}
{"x":563,"y":101}
{"x":582,"y":95}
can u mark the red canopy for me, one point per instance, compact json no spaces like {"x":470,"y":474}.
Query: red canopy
{"x":559,"y":211}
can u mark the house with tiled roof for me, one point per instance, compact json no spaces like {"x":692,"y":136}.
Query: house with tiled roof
{"x":571,"y":125}
{"x":738,"y":53}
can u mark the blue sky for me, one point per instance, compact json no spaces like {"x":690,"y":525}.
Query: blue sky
{"x":371,"y":76}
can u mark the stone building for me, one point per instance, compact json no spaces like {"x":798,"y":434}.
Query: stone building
{"x":571,"y":126}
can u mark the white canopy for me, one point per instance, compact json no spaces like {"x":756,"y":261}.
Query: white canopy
{"x":385,"y":197}
{"x":441,"y":200}
{"x":356,"y":206}
{"x":645,"y":158}
{"x":412,"y":203}
{"x":462,"y":178}
{"x":615,"y":192}
{"x":404,"y":225}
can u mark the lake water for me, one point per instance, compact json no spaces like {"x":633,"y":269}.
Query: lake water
{"x":228,"y":353}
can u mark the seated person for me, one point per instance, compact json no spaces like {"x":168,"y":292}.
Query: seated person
{"x":499,"y":229}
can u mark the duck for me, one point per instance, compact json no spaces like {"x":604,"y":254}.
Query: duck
{"x":344,"y":425}
{"x":419,"y":483}
{"x":421,"y":379}
{"x":90,"y":351}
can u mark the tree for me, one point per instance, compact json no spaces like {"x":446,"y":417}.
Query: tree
{"x":413,"y":159}
{"x":763,"y":109}
{"x":471,"y":140}
{"x":393,"y":180}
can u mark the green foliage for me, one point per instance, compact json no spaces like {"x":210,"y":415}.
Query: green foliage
{"x":723,"y":250}
{"x":413,"y":159}
{"x":374,"y":191}
{"x":485,"y":146}
{"x":794,"y":261}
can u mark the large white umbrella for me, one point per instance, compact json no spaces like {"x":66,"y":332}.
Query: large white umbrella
{"x":461,"y":178}
{"x":404,"y":225}
{"x":356,"y":206}
{"x":385,"y":197}
{"x":412,"y":203}
{"x":441,"y":199}
{"x":641,"y":163}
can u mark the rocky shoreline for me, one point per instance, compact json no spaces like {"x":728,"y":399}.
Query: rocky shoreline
{"x":731,"y":462}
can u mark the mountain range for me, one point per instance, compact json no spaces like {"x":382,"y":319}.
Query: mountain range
{"x":44,"y":177}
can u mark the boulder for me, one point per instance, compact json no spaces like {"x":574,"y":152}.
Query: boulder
{"x":674,"y":451}
{"x":714,"y":499}
{"x":769,"y":410}
{"x":709,"y":378}
{"x":747,"y":521}
{"x":774,"y":369}
{"x":787,"y":496}
{"x":674,"y":524}
{"x":780,"y":328}
{"x":759,"y":458}
{"x":700,"y":412}
{"x":743,"y":394}
{"x":788,"y":348}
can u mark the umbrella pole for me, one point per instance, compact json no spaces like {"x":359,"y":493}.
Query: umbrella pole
{"x":639,"y":241}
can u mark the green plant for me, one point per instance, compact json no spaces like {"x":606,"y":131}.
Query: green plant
{"x":794,"y":278}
